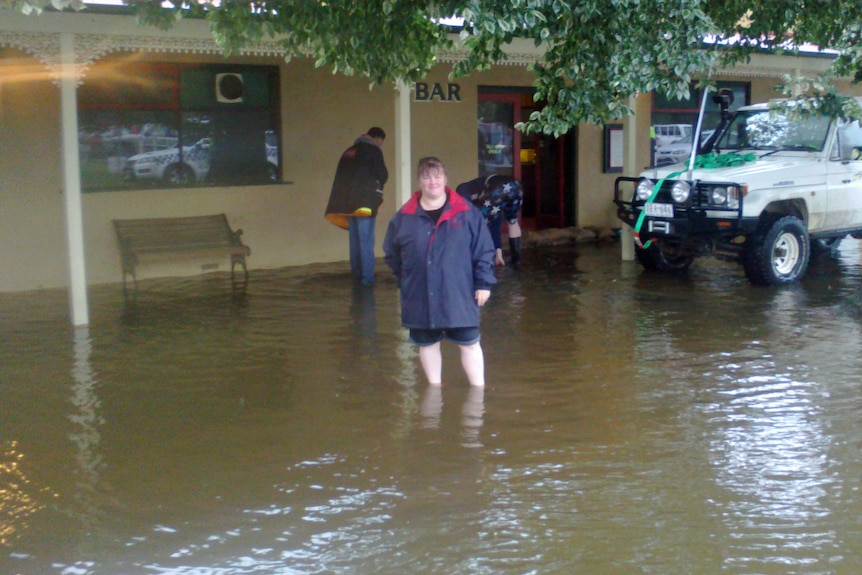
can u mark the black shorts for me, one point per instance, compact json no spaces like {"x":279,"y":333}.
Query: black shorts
{"x":460,"y":335}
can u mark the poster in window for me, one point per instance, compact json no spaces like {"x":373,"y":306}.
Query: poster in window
{"x":613,"y":148}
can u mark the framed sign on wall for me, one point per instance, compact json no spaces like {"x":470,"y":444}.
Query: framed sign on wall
{"x":613,"y":148}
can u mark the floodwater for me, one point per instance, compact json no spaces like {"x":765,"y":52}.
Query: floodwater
{"x":632,"y":424}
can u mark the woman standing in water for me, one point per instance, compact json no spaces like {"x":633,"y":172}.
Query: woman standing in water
{"x":439,"y":248}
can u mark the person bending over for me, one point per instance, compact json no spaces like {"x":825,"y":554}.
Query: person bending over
{"x":498,"y":196}
{"x":357,"y":192}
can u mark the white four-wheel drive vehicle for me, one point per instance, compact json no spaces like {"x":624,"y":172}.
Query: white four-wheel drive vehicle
{"x":766,"y":189}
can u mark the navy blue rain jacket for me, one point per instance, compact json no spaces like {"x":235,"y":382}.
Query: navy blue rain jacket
{"x":439,"y":267}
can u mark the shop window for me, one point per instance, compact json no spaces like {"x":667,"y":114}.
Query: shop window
{"x":153,"y":125}
{"x":674,"y":120}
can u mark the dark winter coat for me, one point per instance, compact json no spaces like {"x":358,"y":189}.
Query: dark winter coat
{"x":357,"y":189}
{"x":439,"y":267}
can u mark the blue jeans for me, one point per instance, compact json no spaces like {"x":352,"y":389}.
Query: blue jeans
{"x":362,"y":249}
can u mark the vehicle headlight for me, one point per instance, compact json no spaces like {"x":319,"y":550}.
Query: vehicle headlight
{"x":680,"y":192}
{"x":644,"y":189}
{"x":719,"y":195}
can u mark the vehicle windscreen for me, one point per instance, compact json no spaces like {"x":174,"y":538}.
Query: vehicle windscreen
{"x":769,"y":130}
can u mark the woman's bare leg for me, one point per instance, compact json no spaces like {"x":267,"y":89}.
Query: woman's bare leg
{"x":431,"y":359}
{"x":473,"y":361}
{"x":515,"y":243}
{"x":514,"y":230}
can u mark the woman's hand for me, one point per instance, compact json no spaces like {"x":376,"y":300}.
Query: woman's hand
{"x":482,"y":296}
{"x":498,"y":257}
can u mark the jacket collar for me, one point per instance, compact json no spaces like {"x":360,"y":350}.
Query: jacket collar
{"x":366,"y":139}
{"x":457,"y":204}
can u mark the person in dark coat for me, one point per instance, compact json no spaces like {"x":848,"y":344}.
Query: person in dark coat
{"x":498,"y":196}
{"x":356,"y":195}
{"x":439,"y":248}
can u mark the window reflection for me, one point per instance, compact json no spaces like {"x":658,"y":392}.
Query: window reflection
{"x":19,"y":499}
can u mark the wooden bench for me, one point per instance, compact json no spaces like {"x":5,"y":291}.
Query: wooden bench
{"x":177,"y":238}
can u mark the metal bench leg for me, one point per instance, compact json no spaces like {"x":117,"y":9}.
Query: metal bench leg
{"x":234,"y":260}
{"x":129,"y":270}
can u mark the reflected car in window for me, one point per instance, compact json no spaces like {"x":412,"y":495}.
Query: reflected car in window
{"x":193,"y":166}
{"x":675,"y":152}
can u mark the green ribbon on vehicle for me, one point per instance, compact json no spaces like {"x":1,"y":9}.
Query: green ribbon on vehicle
{"x":710,"y":161}
{"x":707,"y":162}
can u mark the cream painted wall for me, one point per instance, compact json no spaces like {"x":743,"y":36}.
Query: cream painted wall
{"x":32,"y":227}
{"x":595,"y":188}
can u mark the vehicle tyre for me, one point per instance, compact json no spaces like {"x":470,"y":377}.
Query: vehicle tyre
{"x":779,"y":253}
{"x":655,"y":259}
{"x":179,"y":174}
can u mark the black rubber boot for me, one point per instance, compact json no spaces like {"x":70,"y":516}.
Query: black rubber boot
{"x":515,"y":251}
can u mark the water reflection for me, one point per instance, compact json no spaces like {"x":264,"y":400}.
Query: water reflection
{"x":363,"y":312}
{"x":631,"y":423}
{"x":86,"y":438}
{"x":472,"y":416}
{"x":472,"y":412}
{"x":432,"y":406}
{"x":18,"y":500}
{"x":770,"y":454}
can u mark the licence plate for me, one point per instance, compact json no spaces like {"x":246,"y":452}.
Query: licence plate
{"x":655,"y":210}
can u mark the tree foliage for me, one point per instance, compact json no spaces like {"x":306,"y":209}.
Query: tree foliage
{"x":597,"y":53}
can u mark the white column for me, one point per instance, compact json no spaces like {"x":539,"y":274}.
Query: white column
{"x":403,"y":161}
{"x":630,"y":168}
{"x":72,"y":182}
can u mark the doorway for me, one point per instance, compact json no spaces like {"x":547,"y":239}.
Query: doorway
{"x":543,"y":164}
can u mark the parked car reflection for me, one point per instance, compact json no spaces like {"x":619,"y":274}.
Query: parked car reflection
{"x":675,"y":152}
{"x":192,"y":166}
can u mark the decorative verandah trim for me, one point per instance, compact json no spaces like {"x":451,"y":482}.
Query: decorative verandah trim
{"x":89,"y":47}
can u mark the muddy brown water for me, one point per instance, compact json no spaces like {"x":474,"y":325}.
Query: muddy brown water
{"x":632,"y":424}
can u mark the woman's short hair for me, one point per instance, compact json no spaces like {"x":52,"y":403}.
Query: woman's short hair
{"x":429,"y":164}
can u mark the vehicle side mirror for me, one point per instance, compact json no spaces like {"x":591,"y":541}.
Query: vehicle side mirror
{"x":856,"y":154}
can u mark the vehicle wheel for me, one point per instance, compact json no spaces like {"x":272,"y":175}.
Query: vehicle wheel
{"x":654,"y":258}
{"x":778,"y":254}
{"x":179,"y":174}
